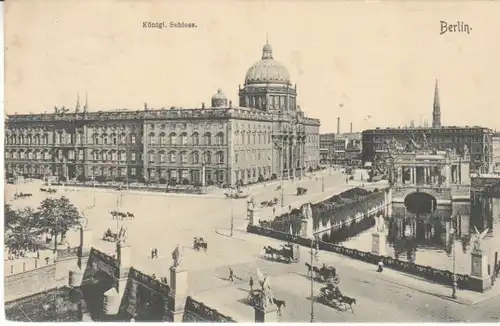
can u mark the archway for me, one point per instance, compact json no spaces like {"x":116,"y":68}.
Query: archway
{"x":420,"y":203}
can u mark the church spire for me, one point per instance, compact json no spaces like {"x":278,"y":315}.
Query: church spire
{"x":436,"y":112}
{"x":85,"y":106}
{"x":77,"y":106}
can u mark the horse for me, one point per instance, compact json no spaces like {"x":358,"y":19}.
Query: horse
{"x":43,"y":190}
{"x":130,"y":215}
{"x":309,"y":268}
{"x":348,"y":301}
{"x":316,"y":270}
{"x":279,"y":304}
{"x":269,"y":251}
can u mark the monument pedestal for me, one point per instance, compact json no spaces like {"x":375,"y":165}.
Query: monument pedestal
{"x":479,"y":279}
{"x":177,"y":295}
{"x":85,"y":241}
{"x":379,"y":244}
{"x":268,"y":314}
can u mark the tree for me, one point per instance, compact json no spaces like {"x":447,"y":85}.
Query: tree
{"x":21,"y":227}
{"x":58,"y":216}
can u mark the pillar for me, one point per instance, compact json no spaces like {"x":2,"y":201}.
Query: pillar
{"x":124,"y":257}
{"x":479,"y":280}
{"x":76,"y":274}
{"x":293,"y":144}
{"x":268,"y":314}
{"x":203,"y":175}
{"x":379,"y":244}
{"x":412,"y":175}
{"x":177,"y":295}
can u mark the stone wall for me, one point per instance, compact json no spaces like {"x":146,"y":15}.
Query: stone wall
{"x":31,"y":282}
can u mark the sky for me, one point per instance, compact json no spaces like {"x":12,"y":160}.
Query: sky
{"x":378,"y":60}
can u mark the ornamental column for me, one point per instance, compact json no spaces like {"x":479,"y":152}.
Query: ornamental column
{"x":293,"y":145}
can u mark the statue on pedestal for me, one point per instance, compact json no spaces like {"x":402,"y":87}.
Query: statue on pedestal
{"x":380,"y":223}
{"x":176,"y":257}
{"x":267,"y":298}
{"x":477,"y":238}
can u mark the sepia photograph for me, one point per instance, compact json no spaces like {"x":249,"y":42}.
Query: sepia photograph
{"x":251,"y":161}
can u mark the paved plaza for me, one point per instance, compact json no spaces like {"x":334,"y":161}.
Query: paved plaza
{"x":162,"y":221}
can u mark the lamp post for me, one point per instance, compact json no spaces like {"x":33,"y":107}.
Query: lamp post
{"x":279,"y":142}
{"x":322,"y":183}
{"x":454,"y":275}
{"x":313,"y":258}
{"x":232,"y":216}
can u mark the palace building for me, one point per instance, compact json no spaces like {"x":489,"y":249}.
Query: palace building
{"x":267,"y":136}
{"x":478,"y":140}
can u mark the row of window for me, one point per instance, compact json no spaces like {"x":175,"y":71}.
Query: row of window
{"x":183,"y":139}
{"x":252,"y":138}
{"x":184,"y":157}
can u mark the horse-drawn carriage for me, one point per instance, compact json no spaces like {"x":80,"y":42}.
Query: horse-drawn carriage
{"x":288,"y":253}
{"x":269,"y":203}
{"x":22,"y":195}
{"x":199,"y":243}
{"x":331,"y":296}
{"x":48,"y":190}
{"x":238,"y":194}
{"x":301,"y":191}
{"x":110,"y":236}
{"x":324,"y":274}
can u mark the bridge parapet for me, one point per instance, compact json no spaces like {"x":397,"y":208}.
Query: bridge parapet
{"x":441,"y":194}
{"x":197,"y":311}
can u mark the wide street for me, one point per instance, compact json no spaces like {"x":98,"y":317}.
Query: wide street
{"x":163,"y":221}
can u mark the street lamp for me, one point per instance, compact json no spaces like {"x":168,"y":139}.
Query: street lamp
{"x":322,"y":183}
{"x":279,"y":142}
{"x":454,"y":275}
{"x":314,"y":256}
{"x":232,"y":216}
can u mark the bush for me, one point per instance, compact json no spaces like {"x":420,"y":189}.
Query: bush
{"x":163,"y":181}
{"x":210,"y":183}
{"x":310,"y":169}
{"x":173,"y":181}
{"x":100,"y":178}
{"x":141,"y":179}
{"x":274,"y":176}
{"x":81,"y":178}
{"x":120,"y":179}
{"x":62,"y":178}
{"x":185,"y":181}
{"x":261,"y":178}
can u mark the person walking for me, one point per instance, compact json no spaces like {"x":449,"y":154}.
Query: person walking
{"x":231,"y":275}
{"x":250,"y":283}
{"x":380,"y":267}
{"x":274,"y":210}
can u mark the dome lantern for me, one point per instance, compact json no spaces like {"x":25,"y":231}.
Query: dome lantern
{"x":219,"y":99}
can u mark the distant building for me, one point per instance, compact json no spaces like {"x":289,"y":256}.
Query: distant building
{"x":343,"y":148}
{"x":326,"y":148}
{"x":478,"y":140}
{"x":496,"y":152}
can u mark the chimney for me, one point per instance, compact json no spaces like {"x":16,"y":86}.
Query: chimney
{"x":351,"y":127}
{"x":338,"y":125}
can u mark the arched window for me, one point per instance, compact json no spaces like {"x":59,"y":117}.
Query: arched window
{"x":207,"y":157}
{"x":162,"y":157}
{"x":173,"y":138}
{"x":207,"y":138}
{"x":37,"y":139}
{"x":220,"y":157}
{"x":163,"y":139}
{"x":151,"y":157}
{"x":151,"y":138}
{"x":96,"y":139}
{"x":242,"y":138}
{"x":123,"y":138}
{"x":171,"y":157}
{"x":195,"y":157}
{"x":30,"y":140}
{"x":219,"y":139}
{"x":254,"y":138}
{"x":113,"y":139}
{"x":132,"y":138}
{"x":182,"y":157}
{"x":248,"y":138}
{"x":196,"y":139}
{"x":183,"y":139}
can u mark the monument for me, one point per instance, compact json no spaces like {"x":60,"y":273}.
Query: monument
{"x":480,"y":280}
{"x":379,"y":241}
{"x":265,"y":311}
{"x":178,"y":289}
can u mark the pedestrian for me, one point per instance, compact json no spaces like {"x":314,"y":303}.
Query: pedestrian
{"x":250,"y":283}
{"x":274,"y":210}
{"x":289,"y":207}
{"x":156,"y":253}
{"x":380,"y":266}
{"x":231,"y":274}
{"x":38,"y":255}
{"x":152,"y":253}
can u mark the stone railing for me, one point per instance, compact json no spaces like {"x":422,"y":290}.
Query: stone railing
{"x":98,"y":255}
{"x":427,"y":272}
{"x":64,"y":254}
{"x":12,"y":267}
{"x":149,"y":281}
{"x":203,"y":313}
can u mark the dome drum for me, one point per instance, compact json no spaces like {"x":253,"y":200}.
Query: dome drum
{"x":219,"y":99}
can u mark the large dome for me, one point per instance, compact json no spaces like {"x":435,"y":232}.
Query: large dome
{"x":267,"y":70}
